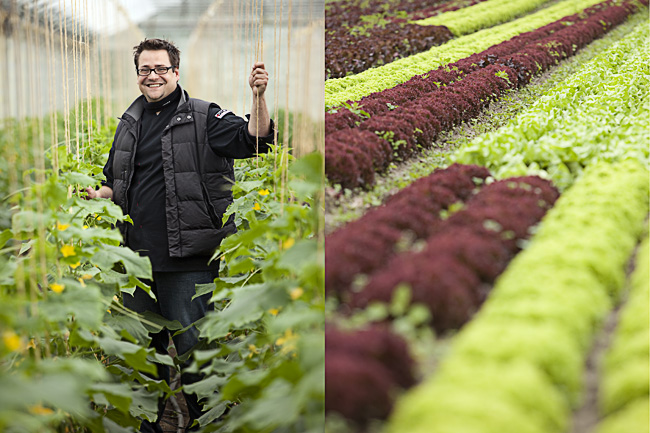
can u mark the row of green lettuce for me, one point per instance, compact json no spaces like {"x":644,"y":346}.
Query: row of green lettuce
{"x":482,"y":15}
{"x":355,"y":87}
{"x":599,"y":113}
{"x":625,"y":376}
{"x":525,"y":306}
{"x":518,"y":366}
{"x":72,"y":358}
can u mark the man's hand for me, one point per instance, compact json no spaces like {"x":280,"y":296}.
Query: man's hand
{"x":103,"y":192}
{"x":259,"y":124}
{"x":258,"y":79}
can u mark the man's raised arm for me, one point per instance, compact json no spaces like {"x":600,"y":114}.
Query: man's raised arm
{"x":260,"y":118}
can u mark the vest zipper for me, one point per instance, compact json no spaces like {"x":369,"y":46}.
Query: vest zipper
{"x":131,"y":165}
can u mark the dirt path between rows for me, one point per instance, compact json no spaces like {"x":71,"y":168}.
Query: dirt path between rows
{"x":587,"y":417}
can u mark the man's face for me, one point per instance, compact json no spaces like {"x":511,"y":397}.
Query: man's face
{"x":155,"y":87}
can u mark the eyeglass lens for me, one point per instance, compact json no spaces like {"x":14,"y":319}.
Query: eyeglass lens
{"x":159,"y":70}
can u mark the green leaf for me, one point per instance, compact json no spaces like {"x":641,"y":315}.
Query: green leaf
{"x":117,"y":394}
{"x":136,"y":266}
{"x":400,"y":301}
{"x":247,"y":305}
{"x":213,"y":413}
{"x":82,"y":303}
{"x":309,"y":169}
{"x":155,"y":322}
{"x":5,"y":236}
{"x":7,"y":270}
{"x":75,"y":178}
{"x":203,"y":289}
{"x":249,"y":185}
{"x":304,"y":253}
{"x":282,"y":409}
{"x":205,"y":387}
{"x":133,"y":328}
{"x":134,"y":355}
{"x":145,"y":404}
{"x":244,"y":383}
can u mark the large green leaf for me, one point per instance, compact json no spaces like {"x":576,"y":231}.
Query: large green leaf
{"x":134,"y":355}
{"x":145,"y":404}
{"x":117,"y":394}
{"x":84,"y":304}
{"x":136,"y":266}
{"x":247,"y":305}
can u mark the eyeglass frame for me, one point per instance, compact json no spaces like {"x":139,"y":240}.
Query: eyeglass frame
{"x":137,"y":70}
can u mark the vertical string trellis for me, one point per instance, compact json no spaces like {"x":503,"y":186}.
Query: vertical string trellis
{"x":231,"y":36}
{"x":285,"y":149}
{"x":259,"y":55}
{"x":50,"y":56}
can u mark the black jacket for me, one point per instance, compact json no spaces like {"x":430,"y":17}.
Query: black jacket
{"x":198,"y":181}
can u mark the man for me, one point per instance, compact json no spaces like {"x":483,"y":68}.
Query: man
{"x":171,"y":169}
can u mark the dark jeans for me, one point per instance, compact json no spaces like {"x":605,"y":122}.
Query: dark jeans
{"x":174,"y":291}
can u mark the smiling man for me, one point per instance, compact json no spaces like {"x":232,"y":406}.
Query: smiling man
{"x":171,"y":170}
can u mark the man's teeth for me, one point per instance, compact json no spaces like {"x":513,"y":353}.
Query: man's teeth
{"x":154,"y":85}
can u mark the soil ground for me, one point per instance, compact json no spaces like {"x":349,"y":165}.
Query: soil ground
{"x":586,"y":418}
{"x":175,"y":416}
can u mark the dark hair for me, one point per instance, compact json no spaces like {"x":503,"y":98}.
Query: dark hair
{"x":157,"y":44}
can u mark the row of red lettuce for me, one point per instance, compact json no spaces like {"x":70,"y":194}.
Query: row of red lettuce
{"x":451,"y":275}
{"x":409,"y":116}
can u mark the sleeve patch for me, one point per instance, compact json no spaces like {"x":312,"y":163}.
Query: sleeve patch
{"x":221,"y":113}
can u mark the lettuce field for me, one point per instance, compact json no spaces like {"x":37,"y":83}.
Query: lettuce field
{"x":487,"y":216}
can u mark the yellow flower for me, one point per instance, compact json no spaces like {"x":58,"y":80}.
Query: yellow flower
{"x":288,"y":341}
{"x":257,"y":206}
{"x":288,"y":243}
{"x":274,"y":311}
{"x":11,"y":340}
{"x":67,"y":250}
{"x":31,"y":344}
{"x":40,"y":410}
{"x":86,"y":276}
{"x":82,"y":282}
{"x":61,"y":227}
{"x":296,"y":293}
{"x":75,"y":265}
{"x":263,"y":192}
{"x":252,"y":350}
{"x":57,"y":288}
{"x":99,"y":218}
{"x":85,"y":227}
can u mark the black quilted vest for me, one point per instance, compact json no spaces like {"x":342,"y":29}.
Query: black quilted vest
{"x":197,"y":181}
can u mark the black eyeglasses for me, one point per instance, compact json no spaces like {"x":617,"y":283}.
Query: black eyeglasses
{"x":160,"y":70}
